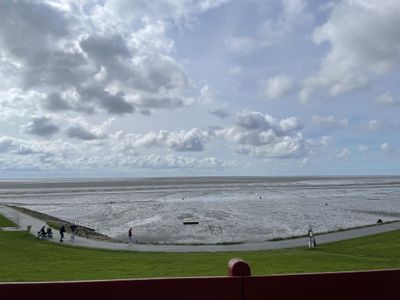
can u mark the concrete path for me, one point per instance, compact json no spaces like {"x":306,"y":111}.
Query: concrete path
{"x":25,"y":220}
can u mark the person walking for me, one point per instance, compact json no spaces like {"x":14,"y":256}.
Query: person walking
{"x":62,"y":230}
{"x":130,"y":236}
{"x":73,"y":231}
{"x":311,"y":238}
{"x":43,"y":232}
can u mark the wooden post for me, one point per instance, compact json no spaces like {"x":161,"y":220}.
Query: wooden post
{"x":238,"y":267}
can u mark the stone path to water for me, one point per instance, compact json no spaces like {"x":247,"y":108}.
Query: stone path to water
{"x":25,"y":220}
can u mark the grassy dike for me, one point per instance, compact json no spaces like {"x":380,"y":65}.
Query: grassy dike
{"x":24,"y":258}
{"x":4,"y":222}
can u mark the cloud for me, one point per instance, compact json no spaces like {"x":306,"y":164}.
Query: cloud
{"x":364,"y":41}
{"x":105,"y":49}
{"x":235,"y":70}
{"x":181,"y":141}
{"x":36,"y":24}
{"x":277,"y":86}
{"x":261,"y":135}
{"x":243,"y":45}
{"x":75,"y":131}
{"x":153,"y":102}
{"x":178,"y":162}
{"x":344,"y":154}
{"x":220,"y":113}
{"x":84,"y":57}
{"x":14,"y":148}
{"x":5,"y":143}
{"x":329,"y":121}
{"x":374,"y":125}
{"x":16,"y":103}
{"x":255,"y":120}
{"x":207,"y":94}
{"x":80,"y":129}
{"x":386,"y":148}
{"x":113,"y":103}
{"x":55,"y":102}
{"x":294,"y":13}
{"x":252,"y":134}
{"x":326,"y":140}
{"x":387,"y":99}
{"x":176,"y":11}
{"x":40,"y":126}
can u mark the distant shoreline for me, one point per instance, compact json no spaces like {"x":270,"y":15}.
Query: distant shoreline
{"x":77,"y":184}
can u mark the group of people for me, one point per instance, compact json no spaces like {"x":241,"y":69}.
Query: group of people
{"x":46,"y":233}
{"x":74,"y":230}
{"x":311,"y":242}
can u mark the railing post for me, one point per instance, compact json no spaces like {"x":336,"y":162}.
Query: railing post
{"x":238,"y":267}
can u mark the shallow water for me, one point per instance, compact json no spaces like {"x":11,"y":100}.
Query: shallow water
{"x":228,"y":209}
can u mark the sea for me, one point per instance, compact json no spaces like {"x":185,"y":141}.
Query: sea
{"x":226,"y":209}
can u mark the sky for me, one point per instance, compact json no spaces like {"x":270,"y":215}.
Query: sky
{"x":101,"y":88}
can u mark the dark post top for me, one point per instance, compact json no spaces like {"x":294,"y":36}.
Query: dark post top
{"x":238,"y":267}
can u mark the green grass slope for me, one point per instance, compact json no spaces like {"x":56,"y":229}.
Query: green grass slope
{"x":24,"y":258}
{"x":4,"y":222}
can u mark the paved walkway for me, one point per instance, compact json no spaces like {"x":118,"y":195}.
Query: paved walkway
{"x":25,"y":220}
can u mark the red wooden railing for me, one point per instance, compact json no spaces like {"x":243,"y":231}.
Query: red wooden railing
{"x":239,"y":285}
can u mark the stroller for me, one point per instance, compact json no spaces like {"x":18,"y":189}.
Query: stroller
{"x":49,"y":233}
{"x":45,"y":234}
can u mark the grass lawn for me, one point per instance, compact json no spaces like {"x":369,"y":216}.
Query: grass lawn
{"x":4,"y":222}
{"x":24,"y":258}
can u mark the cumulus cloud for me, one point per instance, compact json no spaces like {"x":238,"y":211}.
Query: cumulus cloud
{"x":252,"y":134}
{"x":277,"y":86}
{"x":113,"y":103}
{"x":14,"y":148}
{"x":178,"y":162}
{"x":40,"y":126}
{"x":374,"y":125}
{"x":16,"y":103}
{"x":60,"y":155}
{"x":255,"y":120}
{"x":181,"y":141}
{"x":81,"y":133}
{"x":263,"y":136}
{"x":84,"y":57}
{"x":387,"y":148}
{"x":344,"y":154}
{"x":326,"y":140}
{"x":370,"y":47}
{"x":79,"y":129}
